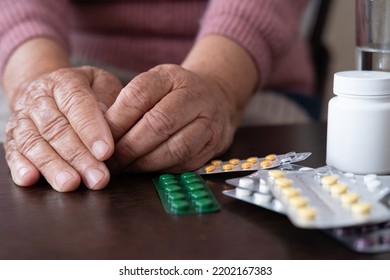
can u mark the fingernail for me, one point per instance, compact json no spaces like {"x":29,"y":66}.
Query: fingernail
{"x":22,"y":172}
{"x":93,"y":177}
{"x":99,"y":149}
{"x":63,"y":178}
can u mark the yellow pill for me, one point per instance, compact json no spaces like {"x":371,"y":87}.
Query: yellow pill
{"x":216,"y":162}
{"x":283,"y":183}
{"x":227,"y":167}
{"x":265,"y":163}
{"x":290,"y":192}
{"x":209,"y":168}
{"x":349,"y":198}
{"x":276,"y":173}
{"x":361,"y":208}
{"x":246,"y":165}
{"x":271,"y":157}
{"x":329,"y":180}
{"x":234,"y":161}
{"x":298,"y":201}
{"x":307,"y":213}
{"x":338,"y":189}
{"x":252,"y":160}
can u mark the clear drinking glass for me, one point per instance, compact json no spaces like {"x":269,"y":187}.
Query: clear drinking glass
{"x":373,"y":35}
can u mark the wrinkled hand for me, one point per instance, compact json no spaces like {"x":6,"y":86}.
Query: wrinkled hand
{"x":170,"y":119}
{"x":58,"y":129}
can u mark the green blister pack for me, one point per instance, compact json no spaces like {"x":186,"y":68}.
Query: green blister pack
{"x":185,"y":194}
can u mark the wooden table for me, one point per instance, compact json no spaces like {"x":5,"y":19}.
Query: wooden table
{"x":126,"y":220}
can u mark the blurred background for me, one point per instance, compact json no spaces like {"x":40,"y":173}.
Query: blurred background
{"x":339,"y":38}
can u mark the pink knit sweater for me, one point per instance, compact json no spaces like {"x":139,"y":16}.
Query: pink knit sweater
{"x":139,"y":34}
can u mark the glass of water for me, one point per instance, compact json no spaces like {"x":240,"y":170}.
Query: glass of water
{"x":373,"y":35}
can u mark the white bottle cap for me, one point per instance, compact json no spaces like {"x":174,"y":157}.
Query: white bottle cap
{"x":368,"y":83}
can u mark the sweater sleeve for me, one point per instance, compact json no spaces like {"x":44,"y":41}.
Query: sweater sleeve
{"x":265,"y":28}
{"x":21,"y":20}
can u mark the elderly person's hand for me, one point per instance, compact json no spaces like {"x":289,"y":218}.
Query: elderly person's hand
{"x":175,"y":118}
{"x":170,"y":119}
{"x":57,"y":129}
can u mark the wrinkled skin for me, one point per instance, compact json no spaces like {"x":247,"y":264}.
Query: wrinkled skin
{"x":68,"y":123}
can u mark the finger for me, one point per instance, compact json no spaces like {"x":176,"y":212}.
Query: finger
{"x":55,"y":129}
{"x":170,"y":115}
{"x":77,"y":102}
{"x":185,"y":150}
{"x":23,"y":172}
{"x":135,"y":99}
{"x":106,"y":88}
{"x":37,"y":152}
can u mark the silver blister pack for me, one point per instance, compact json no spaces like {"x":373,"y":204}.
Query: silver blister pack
{"x":252,"y":164}
{"x":310,"y":201}
{"x":365,"y":238}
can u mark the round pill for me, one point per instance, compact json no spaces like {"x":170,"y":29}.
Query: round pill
{"x":179,"y":205}
{"x":243,"y":192}
{"x":373,"y":185}
{"x":227,"y":167}
{"x":234,"y":161}
{"x":209,"y":168}
{"x":246,"y":165}
{"x":261,"y":198}
{"x":245,"y":182}
{"x":338,"y":189}
{"x":276,"y":173}
{"x":263,"y":188}
{"x":216,"y":162}
{"x":307,"y":213}
{"x":349,"y":198}
{"x":283,"y":182}
{"x":329,"y":180}
{"x":369,"y":177}
{"x":298,"y":201}
{"x":270,"y":157}
{"x":290,"y":192}
{"x":265,"y":163}
{"x":252,"y":160}
{"x":277,"y":205}
{"x":361,"y":208}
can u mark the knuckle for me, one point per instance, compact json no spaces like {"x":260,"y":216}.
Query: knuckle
{"x":31,"y":145}
{"x":36,"y":93}
{"x":71,"y":100}
{"x":55,"y":127}
{"x":159,"y":122}
{"x":180,"y":148}
{"x":27,"y":139}
{"x":76,"y":156}
{"x":134,"y":97}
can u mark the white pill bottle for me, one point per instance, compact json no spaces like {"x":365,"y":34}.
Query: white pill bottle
{"x":358,"y":132}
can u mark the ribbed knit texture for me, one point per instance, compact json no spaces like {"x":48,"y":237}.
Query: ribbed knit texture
{"x":137,"y":34}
